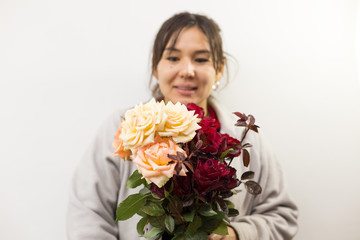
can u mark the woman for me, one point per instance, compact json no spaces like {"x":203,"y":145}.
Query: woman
{"x":188,"y":64}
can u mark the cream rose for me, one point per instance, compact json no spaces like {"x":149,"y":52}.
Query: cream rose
{"x":153,"y":162}
{"x":141,"y":123}
{"x":181,"y":123}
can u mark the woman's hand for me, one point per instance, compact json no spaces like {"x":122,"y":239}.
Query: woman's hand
{"x":231,"y":236}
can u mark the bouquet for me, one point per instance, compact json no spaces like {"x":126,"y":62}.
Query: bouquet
{"x":184,"y":165}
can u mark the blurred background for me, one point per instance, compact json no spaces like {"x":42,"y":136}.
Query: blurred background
{"x":65,"y":66}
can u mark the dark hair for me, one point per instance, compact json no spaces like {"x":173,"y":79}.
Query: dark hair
{"x":173,"y":27}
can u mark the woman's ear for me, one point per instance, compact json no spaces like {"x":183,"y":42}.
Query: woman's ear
{"x":155,"y":74}
{"x":220,"y":71}
{"x":154,"y":71}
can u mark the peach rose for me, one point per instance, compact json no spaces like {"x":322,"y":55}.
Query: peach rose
{"x":119,"y":147}
{"x":141,"y":123}
{"x":181,"y":123}
{"x":153,"y":163}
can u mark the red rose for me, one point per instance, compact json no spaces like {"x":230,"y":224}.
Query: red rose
{"x":158,"y":191}
{"x":198,"y":110}
{"x":234,"y":144}
{"x":214,"y":139}
{"x":182,"y":185}
{"x":206,"y":122}
{"x":212,"y":175}
{"x":209,"y":122}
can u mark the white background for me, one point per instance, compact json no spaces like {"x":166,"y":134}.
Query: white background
{"x":66,"y":65}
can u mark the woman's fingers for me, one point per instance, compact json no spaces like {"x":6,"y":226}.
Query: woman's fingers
{"x":231,"y":236}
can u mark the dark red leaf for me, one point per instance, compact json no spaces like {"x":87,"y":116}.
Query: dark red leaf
{"x":222,"y":204}
{"x":253,"y":187}
{"x":178,"y":157}
{"x":246,"y":145}
{"x":200,"y":197}
{"x":227,"y":194}
{"x":240,"y":124}
{"x":241,"y":115}
{"x":252,"y":120}
{"x":247,"y":175}
{"x":188,"y":202}
{"x":178,"y":168}
{"x":255,"y":128}
{"x":187,"y":149}
{"x":246,"y":157}
{"x":181,"y":156}
{"x":203,"y":138}
{"x":174,"y":157}
{"x":176,"y":207}
{"x":189,"y":165}
{"x":199,"y":144}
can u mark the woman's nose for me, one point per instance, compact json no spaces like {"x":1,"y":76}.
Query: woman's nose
{"x":187,"y":69}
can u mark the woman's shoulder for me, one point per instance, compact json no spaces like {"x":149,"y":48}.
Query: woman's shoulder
{"x":109,"y":126}
{"x":260,"y":145}
{"x":113,"y":119}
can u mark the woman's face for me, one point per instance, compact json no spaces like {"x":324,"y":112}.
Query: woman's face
{"x":186,"y":72}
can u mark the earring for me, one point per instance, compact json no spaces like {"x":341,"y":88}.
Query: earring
{"x":215,"y":85}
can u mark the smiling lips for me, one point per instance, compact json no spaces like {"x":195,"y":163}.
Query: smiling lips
{"x":185,"y":90}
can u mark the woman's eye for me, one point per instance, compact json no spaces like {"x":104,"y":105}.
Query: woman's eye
{"x":201,"y":60}
{"x":172,"y":59}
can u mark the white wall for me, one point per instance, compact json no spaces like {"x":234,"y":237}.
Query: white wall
{"x":66,"y":65}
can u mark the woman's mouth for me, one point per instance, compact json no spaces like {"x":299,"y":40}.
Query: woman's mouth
{"x":185,"y":90}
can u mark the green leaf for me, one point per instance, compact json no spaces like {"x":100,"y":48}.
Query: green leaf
{"x":219,"y":216}
{"x":155,"y":198}
{"x":194,"y":225}
{"x":144,"y":191}
{"x":223,"y":155}
{"x":153,"y":232}
{"x":199,"y":235}
{"x":141,"y":224}
{"x":166,"y":193}
{"x":233,"y":212}
{"x":171,"y":187}
{"x":178,"y":237}
{"x":210,"y":225}
{"x":207,"y":211}
{"x":141,"y":213}
{"x":157,"y":222}
{"x":189,"y":216}
{"x":176,"y":207}
{"x":229,"y":204}
{"x":221,"y":229}
{"x":153,"y":209}
{"x":169,"y":223}
{"x":130,"y":206}
{"x":179,"y":232}
{"x":135,"y":180}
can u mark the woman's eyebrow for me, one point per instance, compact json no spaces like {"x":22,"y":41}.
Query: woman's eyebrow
{"x":203,"y":51}
{"x":172,"y":49}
